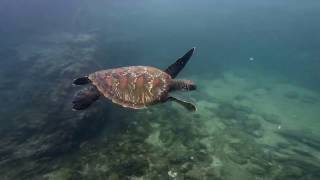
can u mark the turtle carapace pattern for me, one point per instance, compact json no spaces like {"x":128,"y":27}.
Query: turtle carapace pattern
{"x":134,"y":87}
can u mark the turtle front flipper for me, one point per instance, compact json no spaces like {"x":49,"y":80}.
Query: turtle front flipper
{"x":188,"y":105}
{"x":85,"y":97}
{"x":174,"y":69}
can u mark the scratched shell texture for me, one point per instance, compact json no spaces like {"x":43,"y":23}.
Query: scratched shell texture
{"x":135,"y":87}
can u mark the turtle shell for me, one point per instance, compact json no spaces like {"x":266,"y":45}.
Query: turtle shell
{"x":135,"y":86}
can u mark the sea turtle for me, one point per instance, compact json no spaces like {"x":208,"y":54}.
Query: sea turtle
{"x":134,"y":87}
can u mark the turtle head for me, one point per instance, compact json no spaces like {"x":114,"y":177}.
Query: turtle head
{"x":85,"y":97}
{"x":82,"y":81}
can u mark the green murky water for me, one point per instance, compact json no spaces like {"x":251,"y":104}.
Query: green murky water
{"x":255,"y":66}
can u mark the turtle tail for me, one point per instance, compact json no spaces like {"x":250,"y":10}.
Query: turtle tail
{"x":174,"y":69}
{"x":85,"y":97}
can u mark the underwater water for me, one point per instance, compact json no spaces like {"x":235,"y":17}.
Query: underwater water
{"x":256,"y":66}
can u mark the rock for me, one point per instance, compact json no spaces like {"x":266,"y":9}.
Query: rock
{"x":283,"y":145}
{"x":141,"y":131}
{"x":261,"y":162}
{"x":245,"y":149}
{"x":235,"y":115}
{"x":186,"y":167}
{"x":271,"y":118}
{"x":242,"y":108}
{"x":256,"y":170}
{"x":253,"y":127}
{"x":194,"y":174}
{"x":61,"y":174}
{"x":178,"y":157}
{"x":114,"y":176}
{"x":241,"y":116}
{"x":197,"y":145}
{"x":214,"y":174}
{"x":301,"y":136}
{"x":236,"y":158}
{"x":303,"y":152}
{"x":290,"y":172}
{"x":132,"y":167}
{"x":251,"y":124}
{"x":167,"y":137}
{"x":230,"y":122}
{"x":257,"y":133}
{"x":238,"y":133}
{"x":203,"y":157}
{"x":226,"y":111}
{"x":308,"y":165}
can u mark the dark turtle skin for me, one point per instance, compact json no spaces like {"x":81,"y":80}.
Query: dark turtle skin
{"x":134,"y":87}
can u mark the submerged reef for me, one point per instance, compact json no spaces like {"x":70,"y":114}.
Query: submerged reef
{"x":42,"y":124}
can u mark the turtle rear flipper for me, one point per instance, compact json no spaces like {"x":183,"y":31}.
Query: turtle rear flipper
{"x":188,"y":105}
{"x":85,"y":97}
{"x":174,"y":69}
{"x":82,"y":81}
{"x":185,"y":85}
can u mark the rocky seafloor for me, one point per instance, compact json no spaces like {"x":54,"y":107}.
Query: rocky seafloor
{"x":229,"y":137}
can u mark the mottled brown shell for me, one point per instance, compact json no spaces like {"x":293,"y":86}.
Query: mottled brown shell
{"x":135,"y":86}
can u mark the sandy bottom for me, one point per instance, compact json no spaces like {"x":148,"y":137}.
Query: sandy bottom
{"x":297,"y":107}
